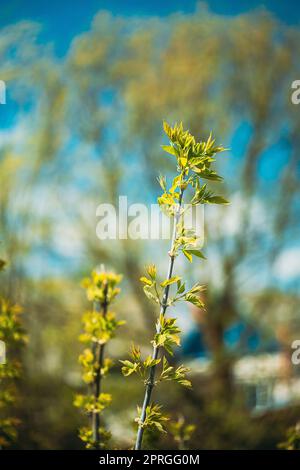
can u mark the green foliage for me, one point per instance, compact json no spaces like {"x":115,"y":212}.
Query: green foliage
{"x":293,"y":439}
{"x":90,"y":366}
{"x":137,"y":365}
{"x":194,"y":161}
{"x":176,"y":374}
{"x":197,"y":156}
{"x":154,"y":418}
{"x":99,"y":327}
{"x":154,"y":289}
{"x":166,"y":339}
{"x":86,"y":435}
{"x":167,"y":335}
{"x":102,"y":287}
{"x":148,"y":74}
{"x":181,"y":432}
{"x":11,"y":330}
{"x":92,"y":404}
{"x":2,"y":264}
{"x":13,"y":336}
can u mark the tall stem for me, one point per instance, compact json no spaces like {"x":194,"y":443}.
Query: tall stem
{"x":155,"y":352}
{"x":99,"y":355}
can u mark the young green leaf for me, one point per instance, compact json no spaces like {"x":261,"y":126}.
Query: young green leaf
{"x":163,"y":182}
{"x":151,"y":270}
{"x":169,"y":149}
{"x":197,"y":253}
{"x":145,"y":280}
{"x":217,"y":200}
{"x":168,"y":282}
{"x":188,"y":255}
{"x":194,"y":299}
{"x":129,"y":367}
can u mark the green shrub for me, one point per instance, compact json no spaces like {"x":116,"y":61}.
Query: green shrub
{"x":193,"y":160}
{"x":99,"y":327}
{"x":13,"y":337}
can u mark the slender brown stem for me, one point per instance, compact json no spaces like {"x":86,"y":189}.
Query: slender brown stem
{"x":99,"y":355}
{"x":164,"y":305}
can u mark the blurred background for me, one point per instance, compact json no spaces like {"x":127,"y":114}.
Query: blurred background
{"x":87,"y":87}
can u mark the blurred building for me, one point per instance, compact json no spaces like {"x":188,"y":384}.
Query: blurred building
{"x":260,"y":365}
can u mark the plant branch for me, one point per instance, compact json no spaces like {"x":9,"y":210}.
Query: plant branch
{"x":164,"y":306}
{"x":99,"y":355}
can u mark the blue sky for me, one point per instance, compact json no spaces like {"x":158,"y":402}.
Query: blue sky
{"x":62,"y":20}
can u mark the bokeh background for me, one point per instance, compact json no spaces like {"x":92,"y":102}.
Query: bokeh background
{"x":88,"y":85}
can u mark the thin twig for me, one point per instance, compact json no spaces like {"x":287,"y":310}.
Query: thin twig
{"x":155,"y":352}
{"x":99,"y":354}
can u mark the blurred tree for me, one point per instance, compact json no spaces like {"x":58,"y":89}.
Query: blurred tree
{"x":85,"y":133}
{"x":11,"y":337}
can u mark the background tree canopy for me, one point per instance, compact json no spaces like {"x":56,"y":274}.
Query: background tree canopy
{"x":84,"y":127}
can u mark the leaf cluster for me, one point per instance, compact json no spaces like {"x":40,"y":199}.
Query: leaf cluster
{"x":13,"y":335}
{"x":293,"y":439}
{"x":11,"y":330}
{"x":91,"y":367}
{"x":154,"y":289}
{"x":191,"y":155}
{"x":181,"y":431}
{"x":102,"y":287}
{"x":142,"y":367}
{"x":99,"y":328}
{"x":92,"y":404}
{"x":194,"y":160}
{"x":154,"y":418}
{"x":86,"y":435}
